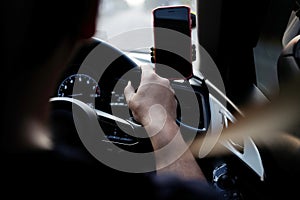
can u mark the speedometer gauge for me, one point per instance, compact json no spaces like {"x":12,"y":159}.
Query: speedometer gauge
{"x":87,"y":89}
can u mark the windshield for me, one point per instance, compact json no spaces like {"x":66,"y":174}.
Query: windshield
{"x":119,"y":17}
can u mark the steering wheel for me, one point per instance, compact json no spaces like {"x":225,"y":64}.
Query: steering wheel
{"x":105,"y":123}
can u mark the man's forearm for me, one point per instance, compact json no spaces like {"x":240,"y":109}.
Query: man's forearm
{"x":172,"y":153}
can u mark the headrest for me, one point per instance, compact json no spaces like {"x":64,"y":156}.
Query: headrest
{"x":288,"y":64}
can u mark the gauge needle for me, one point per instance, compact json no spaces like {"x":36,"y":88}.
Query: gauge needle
{"x":75,"y":95}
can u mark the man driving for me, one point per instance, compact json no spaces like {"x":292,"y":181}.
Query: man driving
{"x":39,"y":39}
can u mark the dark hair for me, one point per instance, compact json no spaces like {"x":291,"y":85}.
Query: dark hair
{"x":34,"y":28}
{"x":31,"y":31}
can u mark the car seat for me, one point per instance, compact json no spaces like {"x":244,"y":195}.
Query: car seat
{"x":288,"y":64}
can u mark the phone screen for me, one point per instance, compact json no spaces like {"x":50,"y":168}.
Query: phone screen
{"x":172,"y":40}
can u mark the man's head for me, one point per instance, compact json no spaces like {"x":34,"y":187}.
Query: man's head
{"x":38,"y":27}
{"x":37,"y":41}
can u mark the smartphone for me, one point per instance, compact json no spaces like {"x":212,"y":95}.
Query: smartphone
{"x":172,"y":42}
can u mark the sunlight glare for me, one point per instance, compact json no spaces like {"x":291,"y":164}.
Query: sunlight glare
{"x":135,"y":2}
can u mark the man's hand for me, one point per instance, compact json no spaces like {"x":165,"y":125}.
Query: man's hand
{"x":154,"y":103}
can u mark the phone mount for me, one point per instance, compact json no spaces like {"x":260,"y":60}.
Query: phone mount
{"x":152,"y":53}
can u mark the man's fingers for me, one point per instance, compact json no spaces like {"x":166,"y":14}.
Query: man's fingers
{"x":150,"y":77}
{"x":147,"y":70}
{"x":128,"y":92}
{"x":147,"y":67}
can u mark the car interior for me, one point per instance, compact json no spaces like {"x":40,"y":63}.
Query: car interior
{"x":244,"y":52}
